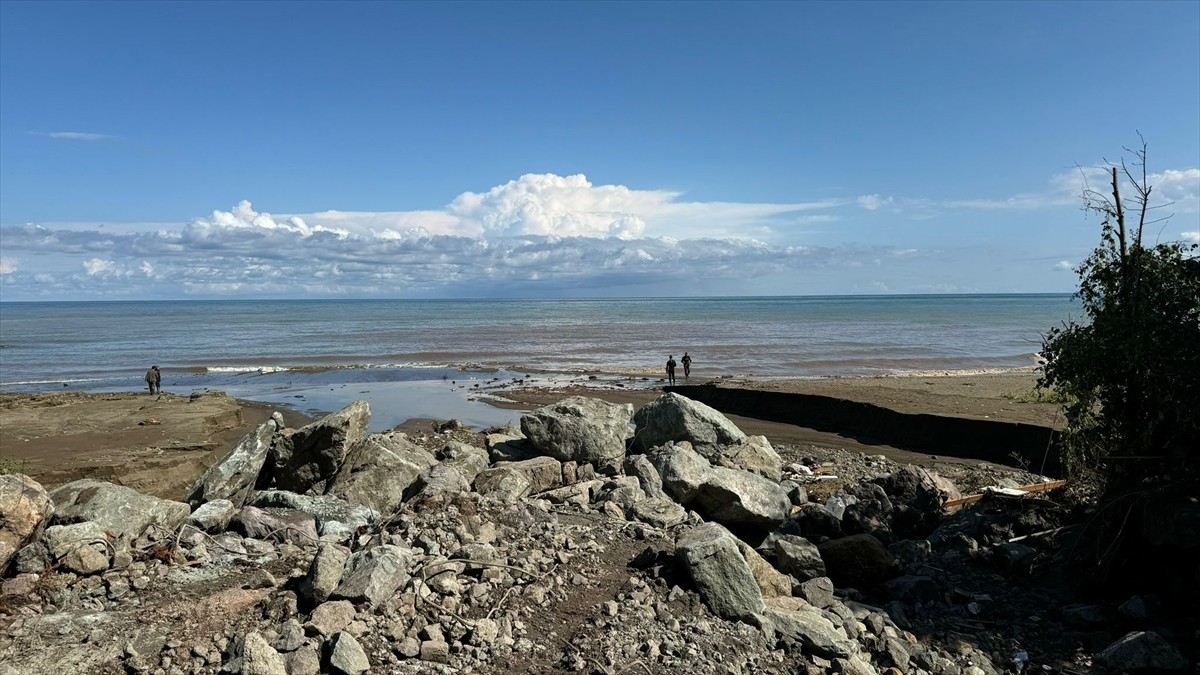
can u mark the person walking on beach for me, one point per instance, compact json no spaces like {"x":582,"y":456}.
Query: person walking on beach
{"x":154,"y":380}
{"x":687,"y":365}
{"x":671,"y":369}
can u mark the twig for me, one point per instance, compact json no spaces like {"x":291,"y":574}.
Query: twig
{"x":527,"y":573}
{"x":499,"y":602}
{"x":636,"y":663}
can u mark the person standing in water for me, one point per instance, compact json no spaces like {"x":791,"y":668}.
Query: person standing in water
{"x":154,"y":380}
{"x":671,"y":370}
{"x":687,"y":365}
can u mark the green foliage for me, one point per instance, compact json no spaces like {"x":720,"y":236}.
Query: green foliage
{"x":1130,"y":374}
{"x":11,"y":465}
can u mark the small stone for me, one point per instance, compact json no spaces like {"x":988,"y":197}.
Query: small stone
{"x":331,"y":617}
{"x":347,"y":656}
{"x":610,"y":608}
{"x":409,"y":647}
{"x":435,"y":652}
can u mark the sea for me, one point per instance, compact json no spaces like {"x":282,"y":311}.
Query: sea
{"x":443,"y":359}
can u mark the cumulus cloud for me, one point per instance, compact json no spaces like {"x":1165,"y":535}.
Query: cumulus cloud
{"x":9,"y":265}
{"x":97,"y":266}
{"x":1190,"y":237}
{"x":1063,"y":266}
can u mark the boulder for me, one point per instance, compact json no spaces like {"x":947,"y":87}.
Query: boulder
{"x":214,"y":516}
{"x":378,"y":470}
{"x":277,"y":524}
{"x":659,"y":512}
{"x":124,"y":512}
{"x":771,"y":581}
{"x":580,"y":429}
{"x":25,"y":506}
{"x":624,"y":491}
{"x":347,"y":656}
{"x":324,"y":573}
{"x":912,"y":589}
{"x":641,"y":468}
{"x":672,"y":417}
{"x":681,"y":469}
{"x":741,"y":499}
{"x":755,"y":455}
{"x":509,"y":446}
{"x":732,"y":497}
{"x":726,"y":583}
{"x":1142,"y":651}
{"x":456,"y":469}
{"x":798,"y":557}
{"x":816,"y":523}
{"x":796,"y":619}
{"x":373,"y":575}
{"x":81,"y":548}
{"x":856,"y":561}
{"x":234,"y":476}
{"x":260,"y":658}
{"x":818,"y":592}
{"x":336,"y":518}
{"x":307,"y":458}
{"x":329,"y":618}
{"x":917,"y":496}
{"x":512,"y":481}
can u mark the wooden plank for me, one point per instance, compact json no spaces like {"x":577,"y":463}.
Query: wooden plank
{"x":1036,"y":487}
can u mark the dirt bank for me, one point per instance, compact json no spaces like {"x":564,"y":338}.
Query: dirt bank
{"x":154,"y":444}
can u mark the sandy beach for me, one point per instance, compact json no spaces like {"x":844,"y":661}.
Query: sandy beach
{"x":159,"y":444}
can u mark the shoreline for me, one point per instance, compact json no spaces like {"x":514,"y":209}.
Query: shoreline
{"x":160,"y":444}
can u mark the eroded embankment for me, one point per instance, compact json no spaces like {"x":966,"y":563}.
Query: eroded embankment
{"x":972,"y":438}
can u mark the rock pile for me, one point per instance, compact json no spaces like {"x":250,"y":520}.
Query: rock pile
{"x":595,"y":539}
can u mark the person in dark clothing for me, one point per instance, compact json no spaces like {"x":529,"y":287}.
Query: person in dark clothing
{"x":687,"y":365}
{"x":671,"y":369}
{"x":154,"y":380}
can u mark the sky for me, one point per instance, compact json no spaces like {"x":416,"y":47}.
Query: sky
{"x":177,"y":150}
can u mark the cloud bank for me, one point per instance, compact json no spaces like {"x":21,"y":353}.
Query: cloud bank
{"x":540,"y":234}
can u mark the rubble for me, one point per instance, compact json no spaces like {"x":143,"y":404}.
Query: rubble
{"x":576,"y":545}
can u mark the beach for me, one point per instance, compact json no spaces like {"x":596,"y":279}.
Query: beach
{"x":160,"y":444}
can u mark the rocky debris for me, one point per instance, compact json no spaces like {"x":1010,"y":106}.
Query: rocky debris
{"x":24,"y":508}
{"x":233,"y":477}
{"x":513,"y":561}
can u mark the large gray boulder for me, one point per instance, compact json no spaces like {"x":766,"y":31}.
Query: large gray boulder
{"x":25,"y":506}
{"x":234,"y":476}
{"x":755,"y":455}
{"x":123,"y":511}
{"x":580,"y":429}
{"x":374,"y":574}
{"x":307,"y":458}
{"x":800,"y":621}
{"x":277,"y":524}
{"x":213,"y":517}
{"x":734,"y":498}
{"x":260,"y":658}
{"x":726,"y":583}
{"x":641,"y":468}
{"x":798,"y":557}
{"x":672,"y":417}
{"x":458,"y":466}
{"x":513,"y":481}
{"x":741,"y":499}
{"x":378,"y":470}
{"x":335,"y":517}
{"x":324,"y":573}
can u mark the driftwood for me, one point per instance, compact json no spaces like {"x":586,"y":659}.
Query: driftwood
{"x":1036,"y":487}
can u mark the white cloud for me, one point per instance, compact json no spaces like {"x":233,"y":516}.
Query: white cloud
{"x":78,"y":136}
{"x":1063,"y":266}
{"x":1191,"y":237}
{"x":97,"y":266}
{"x":874,"y":202}
{"x":9,"y":265}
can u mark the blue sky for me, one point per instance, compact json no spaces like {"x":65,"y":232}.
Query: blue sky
{"x":165,"y":150}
